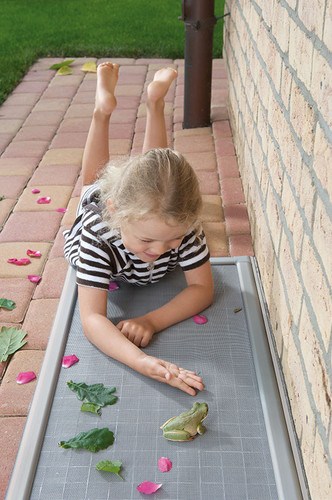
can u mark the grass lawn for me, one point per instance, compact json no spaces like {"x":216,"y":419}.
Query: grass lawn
{"x":30,"y":29}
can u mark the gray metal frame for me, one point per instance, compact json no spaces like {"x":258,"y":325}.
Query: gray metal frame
{"x":288,"y":472}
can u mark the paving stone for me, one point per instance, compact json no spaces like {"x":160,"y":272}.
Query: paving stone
{"x":11,"y":430}
{"x":118,"y":60}
{"x":64,"y":175}
{"x":18,"y":250}
{"x":6,"y":207}
{"x":44,"y":118}
{"x":67,"y":156}
{"x":193,"y":131}
{"x":222,"y":129}
{"x":227,"y":166}
{"x":131,"y":78}
{"x":68,"y":81}
{"x":59,"y":92}
{"x":225,"y":146}
{"x":19,"y":290}
{"x":70,"y":215}
{"x":127,"y":102}
{"x":15,"y":112}
{"x":38,"y":323}
{"x":57,"y":248}
{"x":38,"y":75}
{"x":168,"y":110}
{"x":5,"y":139}
{"x":75,"y":125}
{"x":53,"y":278}
{"x":208,"y":182}
{"x":25,"y":99}
{"x":212,"y":208}
{"x":119,"y":146}
{"x":216,"y":238}
{"x":231,"y":191}
{"x":202,"y":161}
{"x":18,"y":166}
{"x":121,"y":131}
{"x":31,"y":226}
{"x":219,"y":96}
{"x":31,"y":87}
{"x":10,"y":126}
{"x":241,"y":245}
{"x":128,"y":90}
{"x":80,"y":110}
{"x":13,"y":185}
{"x":123,"y":116}
{"x":84,"y":97}
{"x":219,"y":113}
{"x":36,"y":132}
{"x":69,"y":139}
{"x":60,"y":104}
{"x":16,"y":398}
{"x":33,"y":149}
{"x":59,"y":195}
{"x":237,"y":221}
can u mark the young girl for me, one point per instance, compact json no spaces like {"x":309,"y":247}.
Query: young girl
{"x":137,"y":223}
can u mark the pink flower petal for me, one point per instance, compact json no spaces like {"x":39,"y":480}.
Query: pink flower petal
{"x":34,"y":253}
{"x":33,"y":278}
{"x":200,"y":319}
{"x":43,"y":200}
{"x":19,"y":262}
{"x":61,"y":210}
{"x":68,"y":361}
{"x":25,"y":377}
{"x":148,"y":488}
{"x":35,"y":191}
{"x":164,"y":464}
{"x":113,"y":286}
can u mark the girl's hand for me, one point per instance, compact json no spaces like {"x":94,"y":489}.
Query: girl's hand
{"x":138,"y":330}
{"x":167,"y":372}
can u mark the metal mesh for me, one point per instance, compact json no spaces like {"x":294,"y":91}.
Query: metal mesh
{"x":231,"y":461}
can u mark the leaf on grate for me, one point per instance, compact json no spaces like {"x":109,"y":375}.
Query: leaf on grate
{"x":7,"y":304}
{"x":93,"y":440}
{"x":95,"y":393}
{"x":11,"y":339}
{"x":108,"y":466}
{"x":91,"y":407}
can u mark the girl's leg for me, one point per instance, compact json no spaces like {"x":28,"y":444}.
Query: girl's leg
{"x":96,"y":152}
{"x":155,"y":132}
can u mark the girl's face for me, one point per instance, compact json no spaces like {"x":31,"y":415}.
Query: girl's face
{"x":151,"y":237}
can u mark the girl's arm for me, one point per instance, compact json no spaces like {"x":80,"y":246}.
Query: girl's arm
{"x":192,"y":300}
{"x":108,"y":338}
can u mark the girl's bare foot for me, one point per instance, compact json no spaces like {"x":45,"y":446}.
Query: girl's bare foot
{"x":107,"y":77}
{"x":160,"y":84}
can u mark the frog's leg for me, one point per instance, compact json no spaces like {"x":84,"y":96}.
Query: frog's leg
{"x":201,"y":428}
{"x":167,"y":422}
{"x":180,"y":435}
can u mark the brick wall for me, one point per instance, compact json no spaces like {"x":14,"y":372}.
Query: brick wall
{"x":278,"y":55}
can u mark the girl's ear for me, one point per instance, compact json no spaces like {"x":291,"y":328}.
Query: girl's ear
{"x":110,"y":206}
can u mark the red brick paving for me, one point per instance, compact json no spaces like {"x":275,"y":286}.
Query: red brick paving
{"x":43,"y":126}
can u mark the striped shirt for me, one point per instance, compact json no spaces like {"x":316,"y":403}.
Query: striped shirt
{"x":100,"y":256}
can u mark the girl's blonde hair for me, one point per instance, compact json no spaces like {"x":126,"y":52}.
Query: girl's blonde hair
{"x":160,"y":182}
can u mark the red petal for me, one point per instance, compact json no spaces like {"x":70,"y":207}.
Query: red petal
{"x":61,"y":210}
{"x":34,"y":253}
{"x":68,"y":361}
{"x":113,"y":286}
{"x":43,"y":200}
{"x":200,"y":319}
{"x":164,"y":464}
{"x":33,"y":278}
{"x":25,"y":377}
{"x":19,"y":262}
{"x":35,"y":191}
{"x":148,"y":488}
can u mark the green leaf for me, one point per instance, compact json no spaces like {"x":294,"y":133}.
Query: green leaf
{"x":2,"y":197}
{"x":95,"y":393}
{"x":91,"y":407}
{"x":60,"y":65}
{"x":10,"y":341}
{"x":109,"y":466}
{"x":7,"y":304}
{"x":93,"y":440}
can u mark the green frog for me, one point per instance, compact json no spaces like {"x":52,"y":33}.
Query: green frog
{"x":186,"y":426}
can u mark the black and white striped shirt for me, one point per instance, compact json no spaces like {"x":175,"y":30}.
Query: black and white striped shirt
{"x":100,"y":256}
